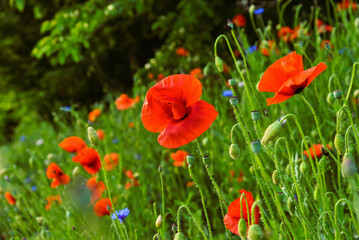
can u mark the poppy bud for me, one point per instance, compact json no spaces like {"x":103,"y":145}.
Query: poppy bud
{"x":39,"y":219}
{"x":160,"y":169}
{"x":159,"y":221}
{"x":92,"y":136}
{"x":75,"y":171}
{"x":206,"y":70}
{"x":179,"y":236}
{"x":356,"y":93}
{"x":356,"y":23}
{"x":232,"y":82}
{"x":276,"y":177}
{"x":256,"y":146}
{"x":291,"y":206}
{"x":271,"y":132}
{"x":255,"y":232}
{"x":251,"y":9}
{"x":338,"y":94}
{"x":242,"y":228}
{"x":255,"y":115}
{"x":330,"y":98}
{"x":190,"y":159}
{"x":349,"y":169}
{"x":234,"y":151}
{"x":219,"y":64}
{"x":251,"y":169}
{"x":229,"y":23}
{"x":233,"y":100}
{"x":339,"y":143}
{"x":303,"y":167}
{"x":205,"y":141}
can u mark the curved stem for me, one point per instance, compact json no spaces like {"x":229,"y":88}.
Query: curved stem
{"x":351,"y":81}
{"x":193,"y":219}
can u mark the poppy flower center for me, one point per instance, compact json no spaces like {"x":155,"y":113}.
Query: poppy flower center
{"x":178,"y":110}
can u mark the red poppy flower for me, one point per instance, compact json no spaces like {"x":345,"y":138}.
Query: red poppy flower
{"x":10,"y":198}
{"x":94,"y":114}
{"x":233,"y":216}
{"x":172,"y":107}
{"x":197,"y":73}
{"x":286,"y":77}
{"x":55,"y":172}
{"x":100,"y":134}
{"x":110,"y":161}
{"x":51,"y":199}
{"x":181,"y":51}
{"x":96,"y":188}
{"x":345,"y":4}
{"x":315,"y":150}
{"x":72,"y":144}
{"x":125,"y":102}
{"x":129,"y":174}
{"x":133,"y":180}
{"x":269,"y":48}
{"x":239,"y":20}
{"x":322,"y":27}
{"x":102,"y":207}
{"x":89,"y":159}
{"x":179,"y":157}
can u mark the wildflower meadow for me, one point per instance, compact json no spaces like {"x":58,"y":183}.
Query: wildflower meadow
{"x":245,"y":131}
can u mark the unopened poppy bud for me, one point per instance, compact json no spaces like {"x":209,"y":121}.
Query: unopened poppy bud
{"x":219,"y":64}
{"x":356,"y":23}
{"x":271,"y":132}
{"x":338,"y":94}
{"x":160,"y":169}
{"x":349,"y":169}
{"x":276,"y":177}
{"x":251,"y":9}
{"x":251,"y":169}
{"x":179,"y":236}
{"x":75,"y":171}
{"x":256,"y":146}
{"x":234,"y":151}
{"x":233,"y":100}
{"x":232,"y":82}
{"x":206,"y":70}
{"x":339,"y":143}
{"x":356,"y":93}
{"x":229,"y":23}
{"x":242,"y":228}
{"x":330,"y":98}
{"x":92,"y":136}
{"x":291,"y":206}
{"x":255,"y":115}
{"x":68,"y":214}
{"x":39,"y":220}
{"x":205,"y":141}
{"x":190,"y":159}
{"x":159,"y":221}
{"x":255,"y":232}
{"x":303,"y":167}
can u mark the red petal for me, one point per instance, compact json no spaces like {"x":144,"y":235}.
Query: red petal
{"x":55,"y":183}
{"x":72,"y":144}
{"x":64,"y":179}
{"x":51,"y":171}
{"x":231,"y":223}
{"x":200,"y":116}
{"x":278,"y":98}
{"x":101,"y":205}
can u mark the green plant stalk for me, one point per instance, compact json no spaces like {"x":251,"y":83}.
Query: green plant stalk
{"x":193,"y":219}
{"x":351,"y":81}
{"x":351,"y":213}
{"x":163,"y":207}
{"x":345,"y":107}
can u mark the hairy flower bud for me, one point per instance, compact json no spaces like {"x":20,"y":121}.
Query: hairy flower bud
{"x":339,"y":143}
{"x":234,"y":151}
{"x":303,"y":167}
{"x":330,"y":98}
{"x":159,"y":221}
{"x":92,"y":136}
{"x":179,"y":236}
{"x":349,"y":169}
{"x":271,"y":132}
{"x":255,"y":232}
{"x":219,"y":64}
{"x":242,"y":228}
{"x":276,"y":177}
{"x":290,"y":205}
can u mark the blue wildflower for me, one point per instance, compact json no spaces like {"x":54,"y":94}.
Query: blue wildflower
{"x":22,"y":138}
{"x":65,"y":109}
{"x":138,"y":156}
{"x":227,"y":93}
{"x":259,"y":11}
{"x":27,"y":180}
{"x":121,"y":214}
{"x":341,"y":51}
{"x":33,"y":188}
{"x":115,"y":140}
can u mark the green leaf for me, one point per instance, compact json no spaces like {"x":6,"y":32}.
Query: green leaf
{"x":20,"y":5}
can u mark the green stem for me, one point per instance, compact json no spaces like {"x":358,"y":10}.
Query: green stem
{"x":351,"y":81}
{"x":163,"y":207}
{"x":193,"y":219}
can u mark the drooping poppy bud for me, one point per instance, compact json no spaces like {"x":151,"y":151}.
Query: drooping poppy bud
{"x":234,"y":151}
{"x":303,"y":167}
{"x":271,"y":132}
{"x":179,"y":236}
{"x":242,"y":228}
{"x":339,"y":143}
{"x":349,"y":169}
{"x":330,"y":98}
{"x":291,"y":206}
{"x":255,"y":232}
{"x":219,"y":64}
{"x":276,"y":177}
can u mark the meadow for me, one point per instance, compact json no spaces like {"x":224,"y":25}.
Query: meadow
{"x":261,"y":142}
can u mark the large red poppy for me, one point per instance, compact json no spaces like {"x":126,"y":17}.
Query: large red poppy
{"x":10,"y":198}
{"x":102,"y":207}
{"x":286,"y":77}
{"x":233,"y":216}
{"x":315,"y":150}
{"x":96,"y":188}
{"x":172,"y":107}
{"x":72,"y":144}
{"x":59,"y":177}
{"x":89,"y":159}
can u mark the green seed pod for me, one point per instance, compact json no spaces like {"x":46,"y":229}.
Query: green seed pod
{"x":349,"y":169}
{"x":206,"y":70}
{"x":190,"y":159}
{"x":330,"y":98}
{"x":255,"y":115}
{"x":276,"y":177}
{"x":219,"y":64}
{"x":159,"y":221}
{"x":287,"y":169}
{"x":232,"y":82}
{"x":242,"y":228}
{"x":179,"y":236}
{"x":234,"y":151}
{"x":291,"y":206}
{"x":256,"y":146}
{"x":338,"y":94}
{"x":303,"y":167}
{"x":255,"y":232}
{"x":271,"y":132}
{"x":92,"y":136}
{"x":233,"y":100}
{"x":339,"y":143}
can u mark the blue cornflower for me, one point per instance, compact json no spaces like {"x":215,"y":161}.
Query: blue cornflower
{"x":115,"y":140}
{"x":22,"y":138}
{"x":252,"y":49}
{"x":33,"y":188}
{"x":121,"y":214}
{"x":259,"y":11}
{"x":27,"y":180}
{"x":65,"y":109}
{"x":227,"y":93}
{"x":138,"y":156}
{"x":341,"y":51}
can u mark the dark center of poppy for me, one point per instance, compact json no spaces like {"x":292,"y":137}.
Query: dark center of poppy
{"x":178,"y":110}
{"x":61,"y":173}
{"x":299,"y":90}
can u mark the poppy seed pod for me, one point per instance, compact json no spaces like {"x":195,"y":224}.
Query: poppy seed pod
{"x":255,"y":115}
{"x":349,"y":169}
{"x":233,"y":100}
{"x":276,"y":177}
{"x":291,"y":206}
{"x":242,"y":228}
{"x":255,"y":232}
{"x":92,"y":136}
{"x":256,"y":146}
{"x":190,"y":159}
{"x":339,"y":143}
{"x":271,"y":132}
{"x":159,"y":221}
{"x":330,"y":98}
{"x":219,"y":64}
{"x":179,"y":236}
{"x":234,"y":151}
{"x":232,"y":82}
{"x":338,"y":94}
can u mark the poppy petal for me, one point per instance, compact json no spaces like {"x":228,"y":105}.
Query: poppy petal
{"x":55,"y":183}
{"x":200,"y":116}
{"x":51,"y":171}
{"x":231,"y":223}
{"x":72,"y":144}
{"x":315,"y":71}
{"x":278,"y":98}
{"x":64,"y":179}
